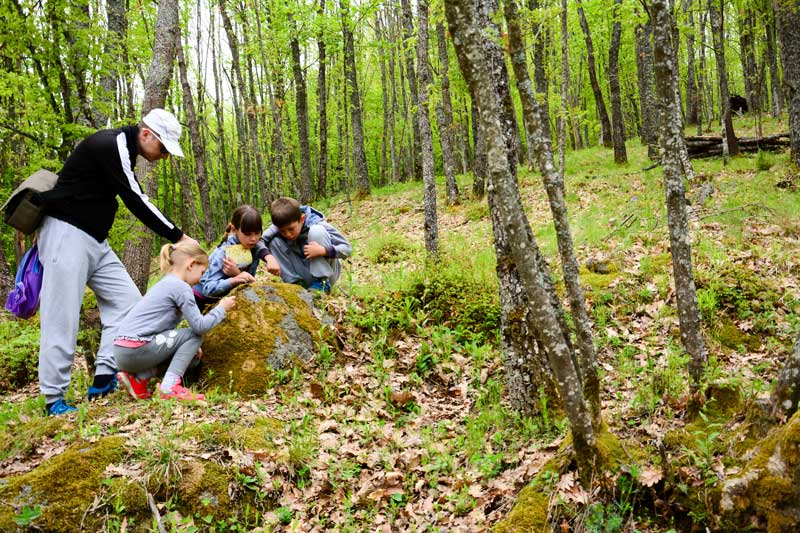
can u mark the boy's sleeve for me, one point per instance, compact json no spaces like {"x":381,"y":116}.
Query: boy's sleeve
{"x":199,"y":322}
{"x":214,"y":282}
{"x":268,"y":235}
{"x":340,"y":248}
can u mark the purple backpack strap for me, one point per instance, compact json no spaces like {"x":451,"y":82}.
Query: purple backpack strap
{"x":23,"y":300}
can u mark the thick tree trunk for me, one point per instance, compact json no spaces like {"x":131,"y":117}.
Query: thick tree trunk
{"x":481,"y":60}
{"x":138,"y":248}
{"x":322,"y":107}
{"x":359,"y":154}
{"x":198,"y":149}
{"x":788,"y":18}
{"x":718,"y":35}
{"x":617,"y":122}
{"x":306,"y":185}
{"x":444,"y":113}
{"x":413,"y":86}
{"x":600,"y":105}
{"x":666,"y":71}
{"x":426,"y":137}
{"x":691,"y":75}
{"x":555,"y":192}
{"x":644,"y":68}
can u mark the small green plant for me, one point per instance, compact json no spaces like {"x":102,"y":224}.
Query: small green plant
{"x":284,"y":515}
{"x":28,"y":515}
{"x":764,"y":161}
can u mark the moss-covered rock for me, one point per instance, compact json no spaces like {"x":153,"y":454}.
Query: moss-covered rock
{"x":272,"y":325}
{"x":63,"y":488}
{"x":529,"y":514}
{"x":203,"y":489}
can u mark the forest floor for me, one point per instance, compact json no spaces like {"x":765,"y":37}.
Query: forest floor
{"x":403,"y":425}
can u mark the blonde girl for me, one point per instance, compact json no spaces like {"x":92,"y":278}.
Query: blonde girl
{"x":148,"y":335}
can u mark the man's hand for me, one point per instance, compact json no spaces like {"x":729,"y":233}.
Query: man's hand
{"x":229,"y":302}
{"x":186,"y":238}
{"x":229,"y":268}
{"x":314,"y":249}
{"x":273,"y":267}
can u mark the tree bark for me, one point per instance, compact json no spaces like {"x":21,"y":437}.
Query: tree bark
{"x":426,"y":137}
{"x":644,"y":68}
{"x":562,"y":116}
{"x":788,"y":18}
{"x":413,"y":87}
{"x":136,"y":256}
{"x":555,"y":193}
{"x":359,"y":154}
{"x":617,"y":122}
{"x":691,"y":75}
{"x":666,"y":71}
{"x":481,"y":60}
{"x":718,"y":36}
{"x":786,"y":395}
{"x":444,"y":113}
{"x":600,"y":105}
{"x":322,"y":106}
{"x":771,"y":52}
{"x":117,"y":27}
{"x":306,"y":185}
{"x":539,"y":77}
{"x":198,"y":149}
{"x":479,"y":156}
{"x":748,"y":57}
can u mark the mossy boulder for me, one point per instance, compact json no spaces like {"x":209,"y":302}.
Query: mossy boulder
{"x":272,"y":326}
{"x":766,"y":493}
{"x":63,"y":488}
{"x":529,"y":514}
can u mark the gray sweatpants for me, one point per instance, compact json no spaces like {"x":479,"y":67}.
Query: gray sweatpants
{"x":179,"y":344}
{"x":294,"y":265}
{"x":73,"y":259}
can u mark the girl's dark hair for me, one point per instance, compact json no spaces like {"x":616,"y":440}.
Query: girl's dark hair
{"x":245,"y":218}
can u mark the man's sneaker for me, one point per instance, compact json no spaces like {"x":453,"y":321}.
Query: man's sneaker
{"x":137,"y":388}
{"x":60,"y":407}
{"x":179,"y":392}
{"x":320,"y":284}
{"x":99,"y":392}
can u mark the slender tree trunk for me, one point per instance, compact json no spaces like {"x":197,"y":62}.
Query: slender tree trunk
{"x":644,"y":64}
{"x":702,"y":86}
{"x":359,"y":154}
{"x":306,"y":184}
{"x":748,"y":57}
{"x":137,"y":249}
{"x":718,"y":35}
{"x":413,"y":87}
{"x":394,"y":149}
{"x":477,"y":54}
{"x":562,"y":116}
{"x":444,"y":112}
{"x":381,"y":37}
{"x":772,"y":59}
{"x":600,"y":105}
{"x":666,"y":71}
{"x":198,"y":150}
{"x":555,"y":192}
{"x":691,"y":75}
{"x":540,"y":51}
{"x":479,"y":159}
{"x":426,"y":137}
{"x":617,"y":122}
{"x":115,"y":40}
{"x":224,"y":167}
{"x":788,"y":18}
{"x":322,"y":106}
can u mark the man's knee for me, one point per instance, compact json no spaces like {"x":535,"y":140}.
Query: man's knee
{"x":317,"y":233}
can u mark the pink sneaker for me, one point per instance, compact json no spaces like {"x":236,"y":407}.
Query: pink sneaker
{"x":180,"y":393}
{"x":137,"y":388}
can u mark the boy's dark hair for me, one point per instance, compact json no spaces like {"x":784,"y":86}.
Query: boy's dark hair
{"x":284,"y":211}
{"x":246,"y":219}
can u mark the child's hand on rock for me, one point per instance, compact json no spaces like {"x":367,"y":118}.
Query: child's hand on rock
{"x":273,"y":267}
{"x":244,"y":277}
{"x":229,"y":302}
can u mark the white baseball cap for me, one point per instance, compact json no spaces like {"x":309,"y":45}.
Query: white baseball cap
{"x":166,"y":128}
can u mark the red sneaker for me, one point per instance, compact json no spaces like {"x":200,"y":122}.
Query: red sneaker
{"x":180,"y":393}
{"x":137,"y":388}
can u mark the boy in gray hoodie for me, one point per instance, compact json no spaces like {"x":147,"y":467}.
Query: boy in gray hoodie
{"x":303,"y":248}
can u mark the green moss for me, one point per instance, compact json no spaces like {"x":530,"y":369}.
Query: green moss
{"x":22,"y":438}
{"x":727,"y":334}
{"x":261,"y":436}
{"x":203,"y":489}
{"x":597,"y":281}
{"x":529,"y":514}
{"x":63,"y":486}
{"x":236,"y":353}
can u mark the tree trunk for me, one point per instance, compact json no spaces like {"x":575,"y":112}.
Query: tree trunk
{"x":644,"y":68}
{"x":479,"y":158}
{"x":771,"y":52}
{"x":718,"y":35}
{"x":691,"y":75}
{"x":322,"y":107}
{"x":562,"y":116}
{"x":413,"y":87}
{"x":394,"y":149}
{"x":359,"y":154}
{"x":380,"y":34}
{"x":115,"y":40}
{"x":600,"y":105}
{"x":138,"y":248}
{"x":6,"y":276}
{"x":788,"y":18}
{"x":666,"y":71}
{"x":786,"y":395}
{"x":444,"y":113}
{"x":426,"y":137}
{"x":306,"y":185}
{"x":617,"y":122}
{"x":555,"y":192}
{"x":748,"y":58}
{"x":539,"y":77}
{"x":198,"y":150}
{"x":225,"y":171}
{"x":481,"y":60}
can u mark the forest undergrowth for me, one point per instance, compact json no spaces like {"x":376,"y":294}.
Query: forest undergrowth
{"x":401,"y":423}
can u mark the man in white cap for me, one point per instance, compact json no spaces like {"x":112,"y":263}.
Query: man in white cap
{"x":74,"y":249}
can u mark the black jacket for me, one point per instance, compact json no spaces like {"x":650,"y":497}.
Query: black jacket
{"x":99,"y":169}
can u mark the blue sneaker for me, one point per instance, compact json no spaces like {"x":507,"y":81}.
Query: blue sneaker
{"x":320,"y":284}
{"x":99,"y":392}
{"x":60,"y":407}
